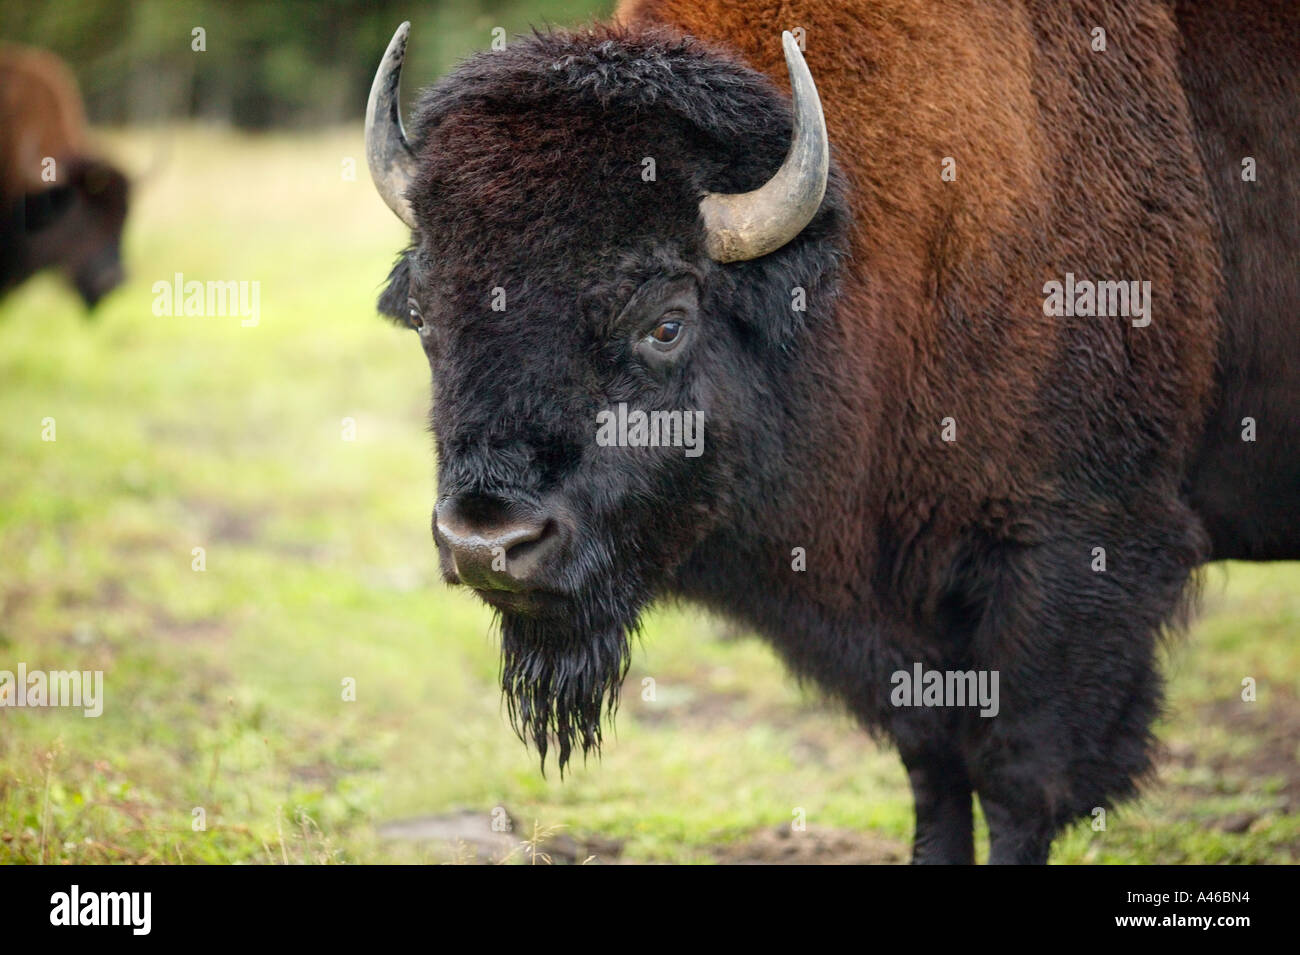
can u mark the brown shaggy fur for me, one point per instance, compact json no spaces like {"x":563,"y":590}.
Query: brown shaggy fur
{"x":943,"y":306}
{"x":40,"y":115}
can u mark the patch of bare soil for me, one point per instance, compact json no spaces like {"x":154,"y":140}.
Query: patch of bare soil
{"x":1274,"y":735}
{"x":818,"y":845}
{"x":470,"y":838}
{"x":1275,"y":732}
{"x":481,"y":838}
{"x":224,"y":524}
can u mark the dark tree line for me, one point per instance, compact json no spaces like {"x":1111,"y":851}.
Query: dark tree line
{"x":263,"y":63}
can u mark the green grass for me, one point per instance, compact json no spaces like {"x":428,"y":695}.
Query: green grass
{"x":224,"y":687}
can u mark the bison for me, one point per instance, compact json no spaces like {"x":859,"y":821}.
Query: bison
{"x":60,"y":206}
{"x":992,"y":334}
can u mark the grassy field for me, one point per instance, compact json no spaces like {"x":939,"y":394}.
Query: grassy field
{"x":224,"y":687}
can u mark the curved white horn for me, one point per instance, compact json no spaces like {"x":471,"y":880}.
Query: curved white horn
{"x":747,"y":225}
{"x":388,"y":154}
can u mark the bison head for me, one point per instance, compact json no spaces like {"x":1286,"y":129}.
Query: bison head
{"x":75,"y":226}
{"x":609,"y":229}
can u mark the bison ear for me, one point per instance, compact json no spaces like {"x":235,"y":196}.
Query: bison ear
{"x":392,"y":302}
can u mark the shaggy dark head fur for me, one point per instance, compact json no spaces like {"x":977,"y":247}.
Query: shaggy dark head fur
{"x":546,"y":260}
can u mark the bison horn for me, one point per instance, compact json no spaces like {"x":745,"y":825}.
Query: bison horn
{"x":389,"y":155}
{"x":747,"y":225}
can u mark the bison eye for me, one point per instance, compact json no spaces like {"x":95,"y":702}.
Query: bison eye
{"x":666,"y":335}
{"x":666,"y":332}
{"x":413,"y":314}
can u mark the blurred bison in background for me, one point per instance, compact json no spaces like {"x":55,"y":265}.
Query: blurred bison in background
{"x":921,"y":478}
{"x":62,"y":207}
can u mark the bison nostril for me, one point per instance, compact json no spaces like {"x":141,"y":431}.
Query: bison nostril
{"x":526,"y":543}
{"x":494,"y":548}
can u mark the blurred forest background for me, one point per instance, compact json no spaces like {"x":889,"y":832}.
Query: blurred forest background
{"x":294,"y":63}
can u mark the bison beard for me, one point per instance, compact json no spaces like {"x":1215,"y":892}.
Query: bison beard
{"x":557,"y":675}
{"x":562,"y":667}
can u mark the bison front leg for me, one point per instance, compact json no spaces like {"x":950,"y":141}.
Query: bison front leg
{"x":1020,"y":832}
{"x":942,"y":793}
{"x":1073,"y":644}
